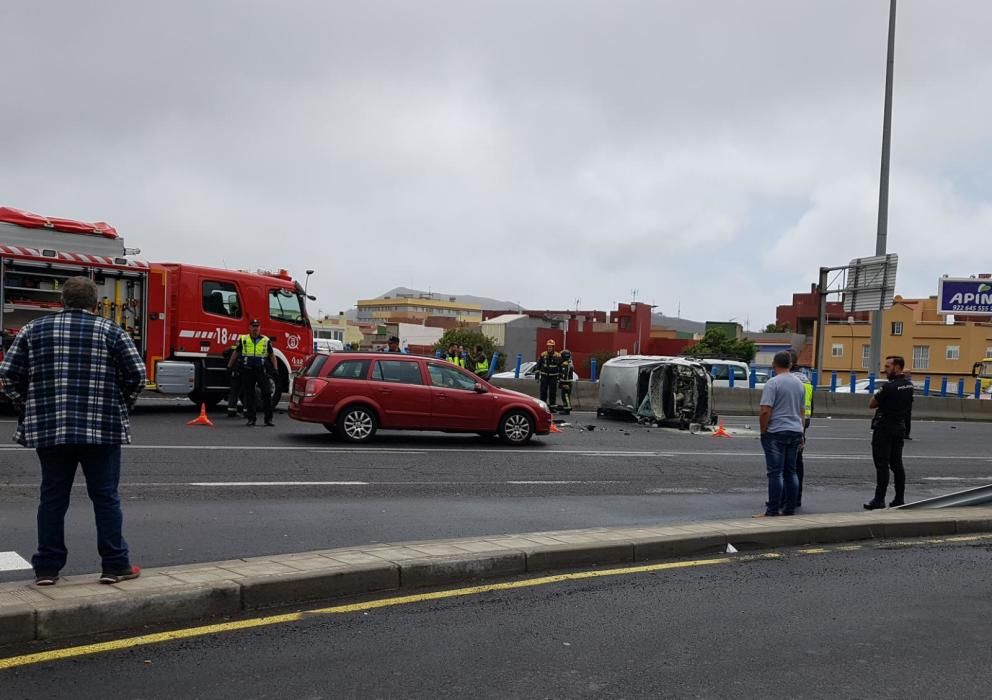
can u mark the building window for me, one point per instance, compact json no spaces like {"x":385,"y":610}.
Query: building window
{"x":897,"y":328}
{"x":988,"y":352}
{"x":953,"y":352}
{"x":921,"y":357}
{"x":865,"y":356}
{"x":837,"y":350}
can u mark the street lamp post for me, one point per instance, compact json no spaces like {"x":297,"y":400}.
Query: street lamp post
{"x":875,"y":355}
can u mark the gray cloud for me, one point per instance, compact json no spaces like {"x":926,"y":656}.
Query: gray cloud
{"x":712,"y":155}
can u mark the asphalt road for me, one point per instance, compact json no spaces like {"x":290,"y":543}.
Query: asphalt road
{"x":885,"y":623}
{"x":203,"y":494}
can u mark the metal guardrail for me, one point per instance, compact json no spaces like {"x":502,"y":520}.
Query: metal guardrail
{"x":978,"y":496}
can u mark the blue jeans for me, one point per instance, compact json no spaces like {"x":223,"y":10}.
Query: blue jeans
{"x":102,"y":469}
{"x":781,"y":451}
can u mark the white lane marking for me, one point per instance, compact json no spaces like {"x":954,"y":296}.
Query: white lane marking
{"x":519,"y":452}
{"x":12,"y":561}
{"x":278,"y":483}
{"x":958,"y":478}
{"x":555,"y":483}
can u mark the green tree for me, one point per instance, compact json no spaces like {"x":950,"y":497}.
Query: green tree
{"x":469,"y":339}
{"x":716,"y":344}
{"x":777,"y":328}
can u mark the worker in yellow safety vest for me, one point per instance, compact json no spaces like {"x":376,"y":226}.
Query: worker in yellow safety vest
{"x":480,"y":364}
{"x":254,"y":351}
{"x":455,"y":357}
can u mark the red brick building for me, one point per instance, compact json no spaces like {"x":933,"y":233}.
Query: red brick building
{"x":628,"y":332}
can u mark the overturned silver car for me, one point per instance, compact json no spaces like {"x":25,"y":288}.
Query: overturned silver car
{"x":670,"y":391}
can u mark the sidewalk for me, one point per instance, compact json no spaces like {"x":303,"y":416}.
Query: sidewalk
{"x":195,"y":593}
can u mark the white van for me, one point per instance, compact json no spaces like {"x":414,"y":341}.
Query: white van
{"x":327,"y":345}
{"x":720,"y":370}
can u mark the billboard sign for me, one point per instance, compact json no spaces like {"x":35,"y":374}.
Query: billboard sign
{"x":871,"y":283}
{"x":967,"y":296}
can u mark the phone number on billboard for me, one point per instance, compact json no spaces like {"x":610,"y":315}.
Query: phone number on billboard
{"x":963,"y":308}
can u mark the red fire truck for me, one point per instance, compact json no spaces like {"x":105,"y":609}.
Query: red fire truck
{"x":182,"y":317}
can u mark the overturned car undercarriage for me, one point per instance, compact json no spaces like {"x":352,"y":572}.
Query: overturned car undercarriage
{"x":665,"y":391}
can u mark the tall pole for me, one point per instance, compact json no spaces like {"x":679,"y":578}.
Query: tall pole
{"x":875,"y":356}
{"x":821,"y":321}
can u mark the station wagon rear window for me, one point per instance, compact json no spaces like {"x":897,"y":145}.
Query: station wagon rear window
{"x":315,"y":365}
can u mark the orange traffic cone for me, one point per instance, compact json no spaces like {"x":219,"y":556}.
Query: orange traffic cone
{"x":721,"y":431}
{"x":202,"y":418}
{"x":556,"y":429}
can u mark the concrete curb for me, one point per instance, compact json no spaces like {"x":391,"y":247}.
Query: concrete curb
{"x":196,"y":593}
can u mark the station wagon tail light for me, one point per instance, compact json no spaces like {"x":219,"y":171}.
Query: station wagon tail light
{"x":313,"y":387}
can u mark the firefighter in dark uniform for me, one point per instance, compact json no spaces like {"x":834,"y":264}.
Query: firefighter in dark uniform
{"x":548,"y":371}
{"x":892,"y":403}
{"x":234,"y":395}
{"x":256,"y":355}
{"x":565,"y":383}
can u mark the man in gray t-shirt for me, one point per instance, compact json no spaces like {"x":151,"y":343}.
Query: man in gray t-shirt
{"x":783,"y":405}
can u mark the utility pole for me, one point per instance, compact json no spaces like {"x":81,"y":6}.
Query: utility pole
{"x":881,"y":238}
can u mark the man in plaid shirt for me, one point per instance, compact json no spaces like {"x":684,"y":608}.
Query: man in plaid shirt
{"x":74,"y":376}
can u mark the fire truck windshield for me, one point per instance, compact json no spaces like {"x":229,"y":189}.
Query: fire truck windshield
{"x":286,"y":306}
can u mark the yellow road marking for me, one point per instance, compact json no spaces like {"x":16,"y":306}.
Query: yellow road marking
{"x":814,"y":550}
{"x":203,"y":630}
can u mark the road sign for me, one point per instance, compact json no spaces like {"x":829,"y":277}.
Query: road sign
{"x":871,"y":283}
{"x":969,"y":296}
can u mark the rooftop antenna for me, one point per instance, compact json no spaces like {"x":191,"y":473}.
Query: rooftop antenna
{"x":633,"y":295}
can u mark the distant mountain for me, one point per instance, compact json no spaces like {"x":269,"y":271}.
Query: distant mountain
{"x":679,"y":324}
{"x":486,"y":303}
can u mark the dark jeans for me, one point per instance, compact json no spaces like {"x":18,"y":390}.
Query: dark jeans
{"x":250,"y":377}
{"x":781,"y":450}
{"x":102,"y":469}
{"x":886,"y":452}
{"x":800,"y":473}
{"x":549,"y":390}
{"x":234,"y":394}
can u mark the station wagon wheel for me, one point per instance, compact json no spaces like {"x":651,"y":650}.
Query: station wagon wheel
{"x":516,"y":428}
{"x":356,"y":424}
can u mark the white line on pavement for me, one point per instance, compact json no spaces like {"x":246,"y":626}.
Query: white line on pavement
{"x":538,"y":452}
{"x":12,"y":561}
{"x":278,"y":483}
{"x":958,"y":478}
{"x":555,"y":483}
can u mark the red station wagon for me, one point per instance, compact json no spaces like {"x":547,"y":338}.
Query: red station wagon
{"x":355,"y":393}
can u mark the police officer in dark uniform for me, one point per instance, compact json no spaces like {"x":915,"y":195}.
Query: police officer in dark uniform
{"x":892,"y":403}
{"x":548,"y":371}
{"x":565,"y":383}
{"x":255,"y":352}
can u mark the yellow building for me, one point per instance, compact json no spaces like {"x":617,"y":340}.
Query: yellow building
{"x":912,"y":328}
{"x":415,"y":308}
{"x":337,"y":328}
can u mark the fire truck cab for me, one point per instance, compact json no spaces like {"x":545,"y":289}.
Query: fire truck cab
{"x":182,"y":317}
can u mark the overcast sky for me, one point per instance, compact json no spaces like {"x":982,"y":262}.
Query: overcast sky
{"x":711,"y":155}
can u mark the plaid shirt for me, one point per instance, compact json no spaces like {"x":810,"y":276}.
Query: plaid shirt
{"x":75,"y":375}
